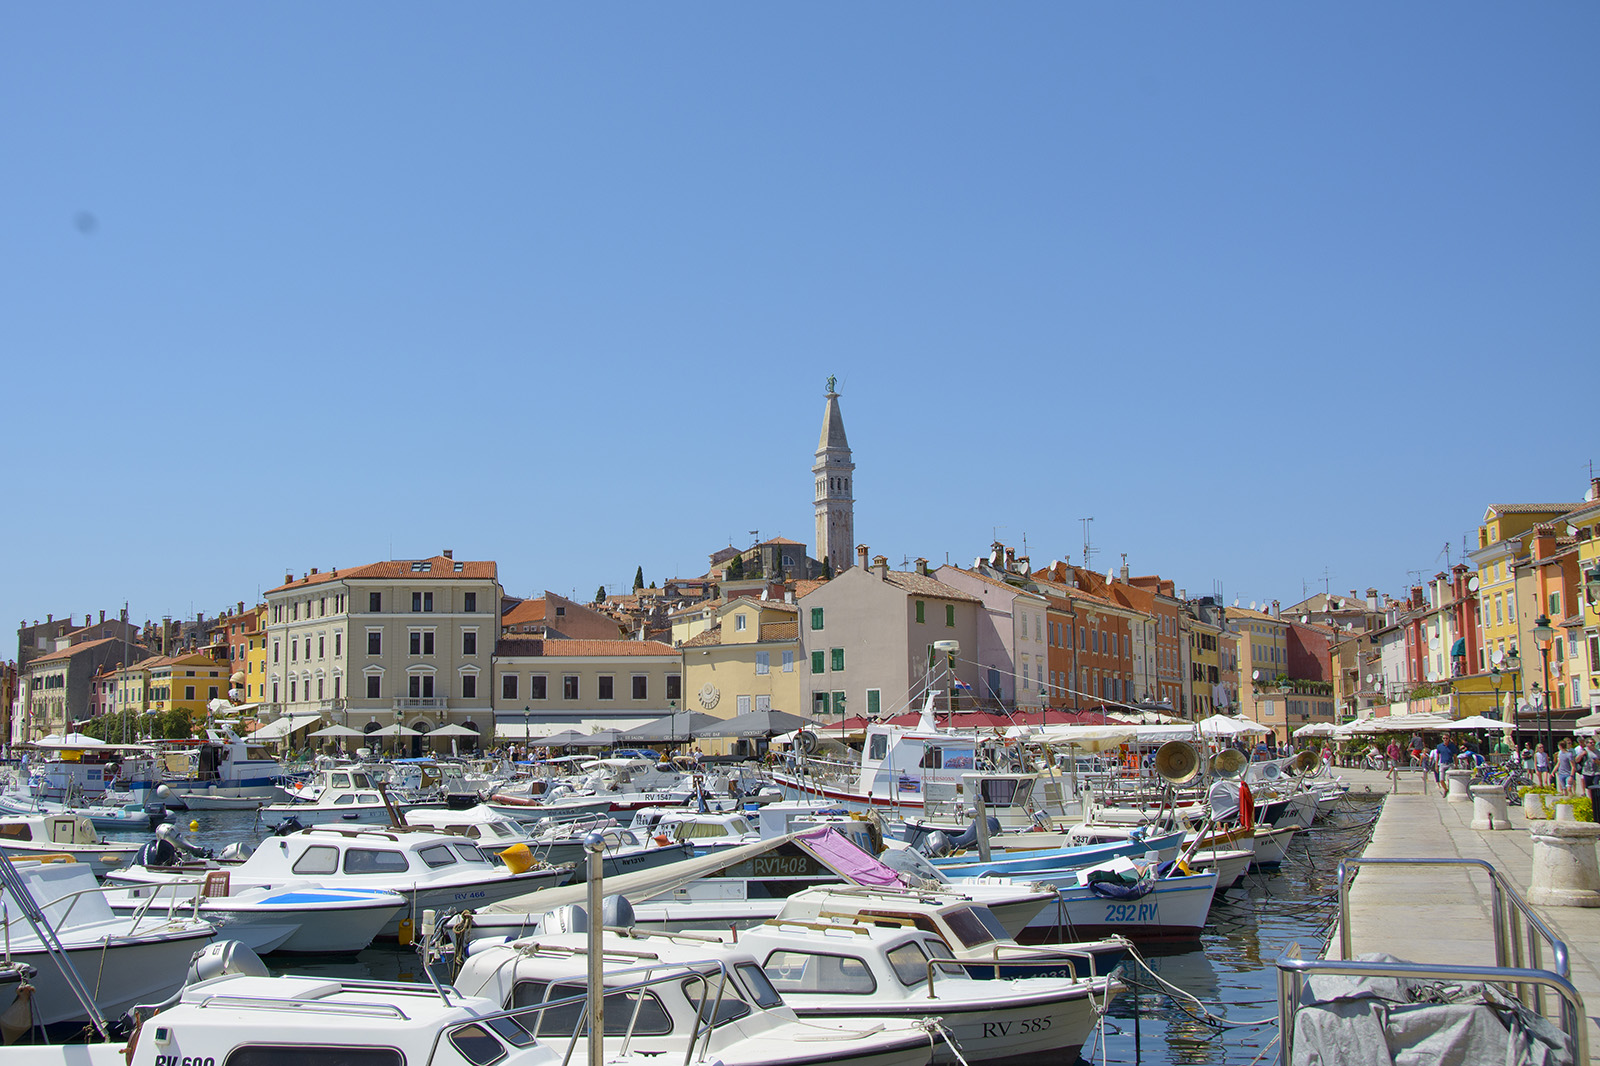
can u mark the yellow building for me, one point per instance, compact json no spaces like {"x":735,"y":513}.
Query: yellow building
{"x":747,"y":661}
{"x":255,"y":659}
{"x":184,"y":682}
{"x":1587,"y":522}
{"x":1502,"y":542}
{"x":1263,"y":660}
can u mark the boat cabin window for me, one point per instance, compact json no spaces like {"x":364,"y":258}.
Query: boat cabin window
{"x":975,"y":926}
{"x":374,"y":861}
{"x":16,"y":831}
{"x":805,"y":971}
{"x":339,"y":780}
{"x":311,"y":1055}
{"x":910,"y":963}
{"x":1005,"y":791}
{"x":653,"y":1019}
{"x":477,"y":1044}
{"x":469,"y":853}
{"x":436,"y":855}
{"x":878,"y":748}
{"x":317,"y":860}
{"x":766,"y":997}
{"x":715,"y":991}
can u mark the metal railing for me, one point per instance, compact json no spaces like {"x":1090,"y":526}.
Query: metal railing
{"x":1521,"y":939}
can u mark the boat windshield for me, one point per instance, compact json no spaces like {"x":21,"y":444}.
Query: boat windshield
{"x":975,"y":926}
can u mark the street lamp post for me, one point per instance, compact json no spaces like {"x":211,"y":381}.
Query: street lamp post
{"x":398,"y":715}
{"x":1542,"y":635}
{"x":1494,"y":679}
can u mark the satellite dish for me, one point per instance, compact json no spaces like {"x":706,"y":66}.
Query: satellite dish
{"x":1255,"y":675}
{"x":1252,"y":605}
{"x":1236,"y":601}
{"x":1472,"y":584}
{"x":1370,"y":679}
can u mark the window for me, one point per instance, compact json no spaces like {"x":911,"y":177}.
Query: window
{"x":188,"y":692}
{"x":374,"y":861}
{"x":739,"y":622}
{"x":421,"y":686}
{"x":537,"y":687}
{"x":838,"y":703}
{"x":469,"y":686}
{"x":816,"y":618}
{"x":909,"y":963}
{"x":569,"y":686}
{"x":469,"y":602}
{"x":950,"y":614}
{"x":641,"y":687}
{"x":922,"y":611}
{"x":838,"y":658}
{"x":374,"y":602}
{"x":763,"y":662}
{"x":744,"y":705}
{"x":794,"y":971}
{"x":338,"y":643}
{"x":294,"y":651}
{"x":604,"y":687}
{"x":469,"y":642}
{"x":788,"y":660}
{"x":674,"y":686}
{"x":374,"y":642}
{"x":1555,"y":605}
{"x":435,"y":856}
{"x":874,"y":702}
{"x":275,"y":647}
{"x":421,"y":602}
{"x":336,"y":680}
{"x":316,"y":861}
{"x":322,"y":647}
{"x":508,"y":686}
{"x":816,"y":662}
{"x":373,"y":683}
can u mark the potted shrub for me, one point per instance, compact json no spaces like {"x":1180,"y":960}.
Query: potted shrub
{"x":1574,"y":809}
{"x":1534,"y":806}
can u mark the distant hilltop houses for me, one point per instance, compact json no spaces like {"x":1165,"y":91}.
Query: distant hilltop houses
{"x":840,"y":638}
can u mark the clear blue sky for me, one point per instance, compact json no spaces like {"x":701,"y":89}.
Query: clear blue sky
{"x":1268,"y":290}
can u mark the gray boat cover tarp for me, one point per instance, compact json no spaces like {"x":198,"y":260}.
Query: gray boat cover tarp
{"x":1345,"y":1020}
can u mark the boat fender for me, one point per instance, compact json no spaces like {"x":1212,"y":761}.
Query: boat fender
{"x":662,"y":839}
{"x":1247,"y":807}
{"x":518,"y":859}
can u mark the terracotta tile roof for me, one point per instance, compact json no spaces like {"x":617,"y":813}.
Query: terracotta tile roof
{"x":803,"y":588}
{"x":922,"y":585}
{"x":565,"y":649}
{"x":712,"y":636}
{"x":1533,"y":508}
{"x":76,"y":649}
{"x":437,"y":568}
{"x":525,"y":612}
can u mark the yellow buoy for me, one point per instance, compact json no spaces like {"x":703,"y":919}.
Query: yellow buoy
{"x":518,"y":858}
{"x":194,"y":824}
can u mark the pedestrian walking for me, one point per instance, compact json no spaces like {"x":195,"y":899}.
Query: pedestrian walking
{"x":1394,"y":754}
{"x":1541,"y":766}
{"x":1564,"y":767}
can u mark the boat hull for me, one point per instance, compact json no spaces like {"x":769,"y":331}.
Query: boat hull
{"x":1175,"y":909}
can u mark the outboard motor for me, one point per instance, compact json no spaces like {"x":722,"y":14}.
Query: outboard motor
{"x":969,"y":836}
{"x":238,"y":851}
{"x":188,"y":847}
{"x":935,"y":843}
{"x":157,"y":853}
{"x":290,"y":824}
{"x":217,"y":959}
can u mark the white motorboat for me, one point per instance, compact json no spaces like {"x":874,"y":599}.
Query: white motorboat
{"x":482,"y":824}
{"x":691,"y":979}
{"x":625,"y":850}
{"x":304,"y":918}
{"x":243,"y":1015}
{"x":431,"y":869}
{"x":25,"y":836}
{"x":125,"y":817}
{"x":118,"y":960}
{"x":840,"y":968}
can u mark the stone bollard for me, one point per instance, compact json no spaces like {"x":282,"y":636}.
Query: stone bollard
{"x":1565,"y":872}
{"x":1456,"y":782}
{"x":1489,"y":807}
{"x":1566,"y":812}
{"x":1533,"y":807}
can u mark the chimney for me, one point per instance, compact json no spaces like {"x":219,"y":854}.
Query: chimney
{"x":102,"y":616}
{"x":1011,"y":559}
{"x":861,"y":553}
{"x":448,"y":553}
{"x":1594,"y":488}
{"x":880,"y":563}
{"x":48,"y":619}
{"x":1183,"y":595}
{"x":241,"y":607}
{"x":1124,"y":570}
{"x":1372,"y":600}
{"x":1544,"y":541}
{"x":922,"y":567}
{"x":1276,"y":613}
{"x":313,"y":570}
{"x":288,"y":579}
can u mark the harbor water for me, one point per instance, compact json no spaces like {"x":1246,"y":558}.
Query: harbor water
{"x":1229,"y":1021}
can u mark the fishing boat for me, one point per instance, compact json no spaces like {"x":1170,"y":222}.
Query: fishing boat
{"x":431,"y":869}
{"x":32,"y":835}
{"x":302,"y":918}
{"x":692,"y":979}
{"x":828,"y":968}
{"x":57,"y":922}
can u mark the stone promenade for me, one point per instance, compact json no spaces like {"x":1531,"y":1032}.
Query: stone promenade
{"x":1439,"y":914}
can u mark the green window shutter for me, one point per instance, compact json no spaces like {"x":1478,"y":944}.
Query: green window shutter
{"x":921,"y":611}
{"x":816,"y":618}
{"x":873,"y":702}
{"x":838,"y":703}
{"x":950,"y":614}
{"x":838,"y":658}
{"x":816,"y":662}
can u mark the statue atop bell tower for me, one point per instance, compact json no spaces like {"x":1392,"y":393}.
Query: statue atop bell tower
{"x":834,"y":501}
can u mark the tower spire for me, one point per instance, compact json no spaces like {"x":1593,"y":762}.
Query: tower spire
{"x":835,"y":475}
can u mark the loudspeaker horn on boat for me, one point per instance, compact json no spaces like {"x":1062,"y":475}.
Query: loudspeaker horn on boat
{"x":1229,"y":762}
{"x":1177,"y":762}
{"x":1303,"y":763}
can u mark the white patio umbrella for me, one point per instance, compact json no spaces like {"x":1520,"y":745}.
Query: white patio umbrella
{"x":1223,"y":725}
{"x":1315,"y":729}
{"x":71,"y":740}
{"x":1477,"y":721}
{"x":336,"y":731}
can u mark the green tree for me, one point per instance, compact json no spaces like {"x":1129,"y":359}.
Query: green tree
{"x":600,"y":594}
{"x":638,"y":579}
{"x":736,"y":569}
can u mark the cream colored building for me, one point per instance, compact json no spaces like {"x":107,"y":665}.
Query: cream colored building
{"x":749,"y":660}
{"x":407,"y":641}
{"x":542,"y":687}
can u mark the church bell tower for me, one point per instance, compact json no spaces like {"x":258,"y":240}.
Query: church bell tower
{"x":835,"y":475}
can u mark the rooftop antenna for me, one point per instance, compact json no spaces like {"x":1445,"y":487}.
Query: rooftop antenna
{"x":1088,"y":545}
{"x":1325,"y":582}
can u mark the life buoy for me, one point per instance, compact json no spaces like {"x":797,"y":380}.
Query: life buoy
{"x":1247,"y":807}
